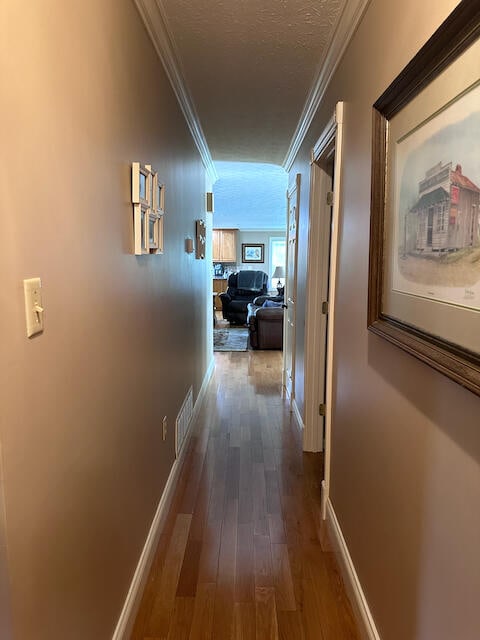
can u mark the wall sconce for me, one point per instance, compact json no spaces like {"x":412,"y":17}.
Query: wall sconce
{"x":209,"y":202}
{"x":189,"y":245}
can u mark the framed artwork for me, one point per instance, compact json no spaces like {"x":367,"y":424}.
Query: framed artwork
{"x":158,"y":194}
{"x":141,"y":184}
{"x":148,"y":198}
{"x":201,"y":237}
{"x":253,"y":252}
{"x":424,"y":276}
{"x":153,"y":238}
{"x":139,"y":222}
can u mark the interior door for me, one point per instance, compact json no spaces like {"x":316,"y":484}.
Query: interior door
{"x":323,"y":284}
{"x":324,"y":237}
{"x":291,"y":290}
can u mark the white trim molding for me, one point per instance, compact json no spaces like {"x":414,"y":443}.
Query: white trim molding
{"x":203,"y":388}
{"x":129,"y":611}
{"x":289,"y":334}
{"x":353,"y":587}
{"x":321,"y":287}
{"x":126,"y":621}
{"x":348,"y":22}
{"x":297,"y":414}
{"x":154,"y":16}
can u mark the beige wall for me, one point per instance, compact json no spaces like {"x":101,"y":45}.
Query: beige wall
{"x":84,"y":465}
{"x":406,"y":440}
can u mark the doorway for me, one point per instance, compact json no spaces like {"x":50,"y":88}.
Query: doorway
{"x":321,"y":280}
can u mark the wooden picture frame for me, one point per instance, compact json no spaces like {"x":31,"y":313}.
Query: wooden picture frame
{"x":253,"y":252}
{"x":153,"y":233}
{"x":148,"y":199}
{"x":201,"y":239}
{"x":158,"y":194}
{"x":140,"y":214}
{"x":141,"y":184}
{"x":419,"y":213}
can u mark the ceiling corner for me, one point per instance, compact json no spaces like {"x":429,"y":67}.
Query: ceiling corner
{"x":156,"y":23}
{"x":350,"y":18}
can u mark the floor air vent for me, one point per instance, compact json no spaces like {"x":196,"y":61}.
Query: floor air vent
{"x":183,"y":421}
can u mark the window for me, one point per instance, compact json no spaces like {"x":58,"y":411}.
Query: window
{"x":441,"y":217}
{"x":277,"y":258}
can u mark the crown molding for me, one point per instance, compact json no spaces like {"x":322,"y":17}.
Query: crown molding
{"x":155,"y":19}
{"x":349,"y":19}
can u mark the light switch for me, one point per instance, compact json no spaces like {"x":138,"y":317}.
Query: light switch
{"x":32,"y":288}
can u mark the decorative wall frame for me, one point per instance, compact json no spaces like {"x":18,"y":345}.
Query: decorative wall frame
{"x":148,"y":198}
{"x":154,"y":232}
{"x":425,"y":215}
{"x":139,"y":222}
{"x":253,"y":252}
{"x":158,"y":194}
{"x":141,"y":184}
{"x":201,"y":237}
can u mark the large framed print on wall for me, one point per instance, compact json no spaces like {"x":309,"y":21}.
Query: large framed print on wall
{"x":424,"y":276}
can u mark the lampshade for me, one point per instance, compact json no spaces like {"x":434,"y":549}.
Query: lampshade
{"x":279,"y":272}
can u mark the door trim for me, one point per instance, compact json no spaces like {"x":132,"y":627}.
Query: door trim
{"x":293,"y":191}
{"x":330,"y":139}
{"x":317,"y":290}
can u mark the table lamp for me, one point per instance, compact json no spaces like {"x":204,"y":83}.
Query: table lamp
{"x":279,"y":273}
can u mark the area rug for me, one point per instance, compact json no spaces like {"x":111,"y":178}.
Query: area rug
{"x":234,"y":339}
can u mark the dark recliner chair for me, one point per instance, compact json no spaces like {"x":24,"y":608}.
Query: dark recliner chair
{"x":243,"y":287}
{"x":265,"y":324}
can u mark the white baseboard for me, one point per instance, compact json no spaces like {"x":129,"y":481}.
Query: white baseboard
{"x":126,"y":621}
{"x":298,"y":417}
{"x":354,"y":589}
{"x":324,"y":499}
{"x":203,"y":388}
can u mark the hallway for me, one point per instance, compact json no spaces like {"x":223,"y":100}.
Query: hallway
{"x":239,"y":557}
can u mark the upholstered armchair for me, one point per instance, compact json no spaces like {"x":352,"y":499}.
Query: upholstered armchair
{"x":243,"y":287}
{"x":265,"y":322}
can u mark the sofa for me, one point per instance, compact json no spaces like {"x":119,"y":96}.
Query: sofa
{"x":243,"y":287}
{"x":265,"y":322}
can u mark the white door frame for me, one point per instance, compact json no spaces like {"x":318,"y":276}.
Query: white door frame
{"x":319,"y":360}
{"x":290,"y":293}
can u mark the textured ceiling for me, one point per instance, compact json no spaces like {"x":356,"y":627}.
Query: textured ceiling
{"x":249,"y":65}
{"x":250,"y":196}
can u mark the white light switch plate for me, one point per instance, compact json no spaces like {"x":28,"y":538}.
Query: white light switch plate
{"x":32,"y":288}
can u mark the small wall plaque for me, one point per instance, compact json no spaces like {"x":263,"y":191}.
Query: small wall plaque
{"x":201,"y":240}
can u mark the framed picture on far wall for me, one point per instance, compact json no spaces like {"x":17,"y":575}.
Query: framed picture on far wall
{"x":253,"y":252}
{"x":424,"y":284}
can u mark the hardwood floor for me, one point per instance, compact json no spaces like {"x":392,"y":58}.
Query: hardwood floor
{"x":239,"y":557}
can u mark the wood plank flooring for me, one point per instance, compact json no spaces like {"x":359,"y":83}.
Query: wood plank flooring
{"x":239,"y":557}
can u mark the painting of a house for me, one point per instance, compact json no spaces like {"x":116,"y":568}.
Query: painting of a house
{"x":445,"y":217}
